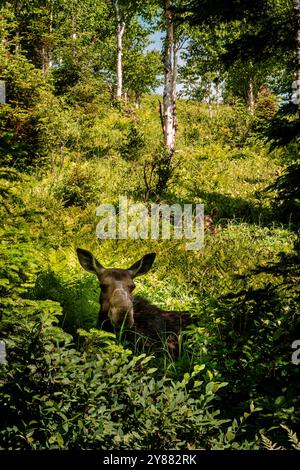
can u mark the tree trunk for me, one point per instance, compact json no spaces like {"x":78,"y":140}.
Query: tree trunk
{"x":47,"y":61}
{"x":251,"y":97}
{"x":210,"y":105}
{"x":138,"y":99}
{"x":169,"y":96}
{"x":297,"y":11}
{"x":17,"y":33}
{"x":120,"y":32}
{"x":210,"y":108}
{"x":50,"y":59}
{"x":168,"y":106}
{"x":74,"y":33}
{"x":218,"y":95}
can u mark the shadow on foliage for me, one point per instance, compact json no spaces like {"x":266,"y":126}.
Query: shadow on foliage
{"x":229,"y":207}
{"x":257,"y":327}
{"x":286,"y":203}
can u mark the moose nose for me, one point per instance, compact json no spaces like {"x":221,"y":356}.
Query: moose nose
{"x":121,"y":308}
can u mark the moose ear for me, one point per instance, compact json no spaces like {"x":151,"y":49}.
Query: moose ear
{"x":142,"y":266}
{"x":89,"y":262}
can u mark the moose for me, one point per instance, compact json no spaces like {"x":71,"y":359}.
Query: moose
{"x":119,"y":308}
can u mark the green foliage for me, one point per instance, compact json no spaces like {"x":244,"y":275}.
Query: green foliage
{"x":231,"y":127}
{"x":55,"y":397}
{"x":78,"y":186}
{"x":7,"y":175}
{"x":142,"y":73}
{"x":266,"y":105}
{"x":18,"y":123}
{"x":133,"y":144}
{"x":233,"y":383}
{"x":79,"y":297}
{"x":287,"y":194}
{"x":292,"y":439}
{"x":255,"y":329}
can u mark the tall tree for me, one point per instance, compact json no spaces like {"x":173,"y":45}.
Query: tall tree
{"x":125,"y":13}
{"x":267,"y":28}
{"x":168,"y":111}
{"x":120,"y":31}
{"x":203,"y":72}
{"x":297,"y":14}
{"x":142,"y":73}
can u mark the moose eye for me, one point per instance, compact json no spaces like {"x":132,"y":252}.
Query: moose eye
{"x":131,"y":287}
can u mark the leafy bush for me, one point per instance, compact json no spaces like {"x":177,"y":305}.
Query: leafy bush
{"x":19,"y":137}
{"x":55,"y":397}
{"x":252,"y":348}
{"x":231,"y":127}
{"x":266,"y":105}
{"x":78,"y":297}
{"x":287,"y":198}
{"x":78,"y":186}
{"x":133,"y":143}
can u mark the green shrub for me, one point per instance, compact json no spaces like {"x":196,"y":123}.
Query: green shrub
{"x":78,"y":297}
{"x":133,"y":143}
{"x":78,"y":186}
{"x":287,"y":194}
{"x":246,"y":338}
{"x":266,"y":105}
{"x":19,"y":137}
{"x":54,"y":397}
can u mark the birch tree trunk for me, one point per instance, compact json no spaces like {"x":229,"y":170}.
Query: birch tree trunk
{"x":168,"y":106}
{"x":251,"y":102}
{"x":297,"y":12}
{"x":50,"y":58}
{"x":169,"y":96}
{"x":210,"y":101}
{"x":17,"y":33}
{"x":47,"y":61}
{"x":120,"y":32}
{"x":218,"y":95}
{"x":74,"y":38}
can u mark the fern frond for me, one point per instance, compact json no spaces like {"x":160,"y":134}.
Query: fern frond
{"x":10,"y":174}
{"x":293,"y":438}
{"x":269,"y":445}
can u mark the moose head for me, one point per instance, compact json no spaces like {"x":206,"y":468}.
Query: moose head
{"x":116,"y":286}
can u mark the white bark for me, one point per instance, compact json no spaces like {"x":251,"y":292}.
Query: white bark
{"x":297,"y":11}
{"x":47,"y":61}
{"x":210,"y":101}
{"x":218,"y":96}
{"x":210,"y":108}
{"x":169,"y":97}
{"x":251,"y":102}
{"x":17,"y":35}
{"x":50,"y":59}
{"x":120,"y":32}
{"x":74,"y":33}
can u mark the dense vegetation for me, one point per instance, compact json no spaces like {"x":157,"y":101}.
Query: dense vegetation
{"x":67,"y":145}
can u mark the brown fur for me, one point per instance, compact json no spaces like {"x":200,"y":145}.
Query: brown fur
{"x":120,"y":309}
{"x":209,"y":222}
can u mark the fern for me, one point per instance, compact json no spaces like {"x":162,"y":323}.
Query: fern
{"x":293,"y":438}
{"x":6,"y":192}
{"x":269,"y":445}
